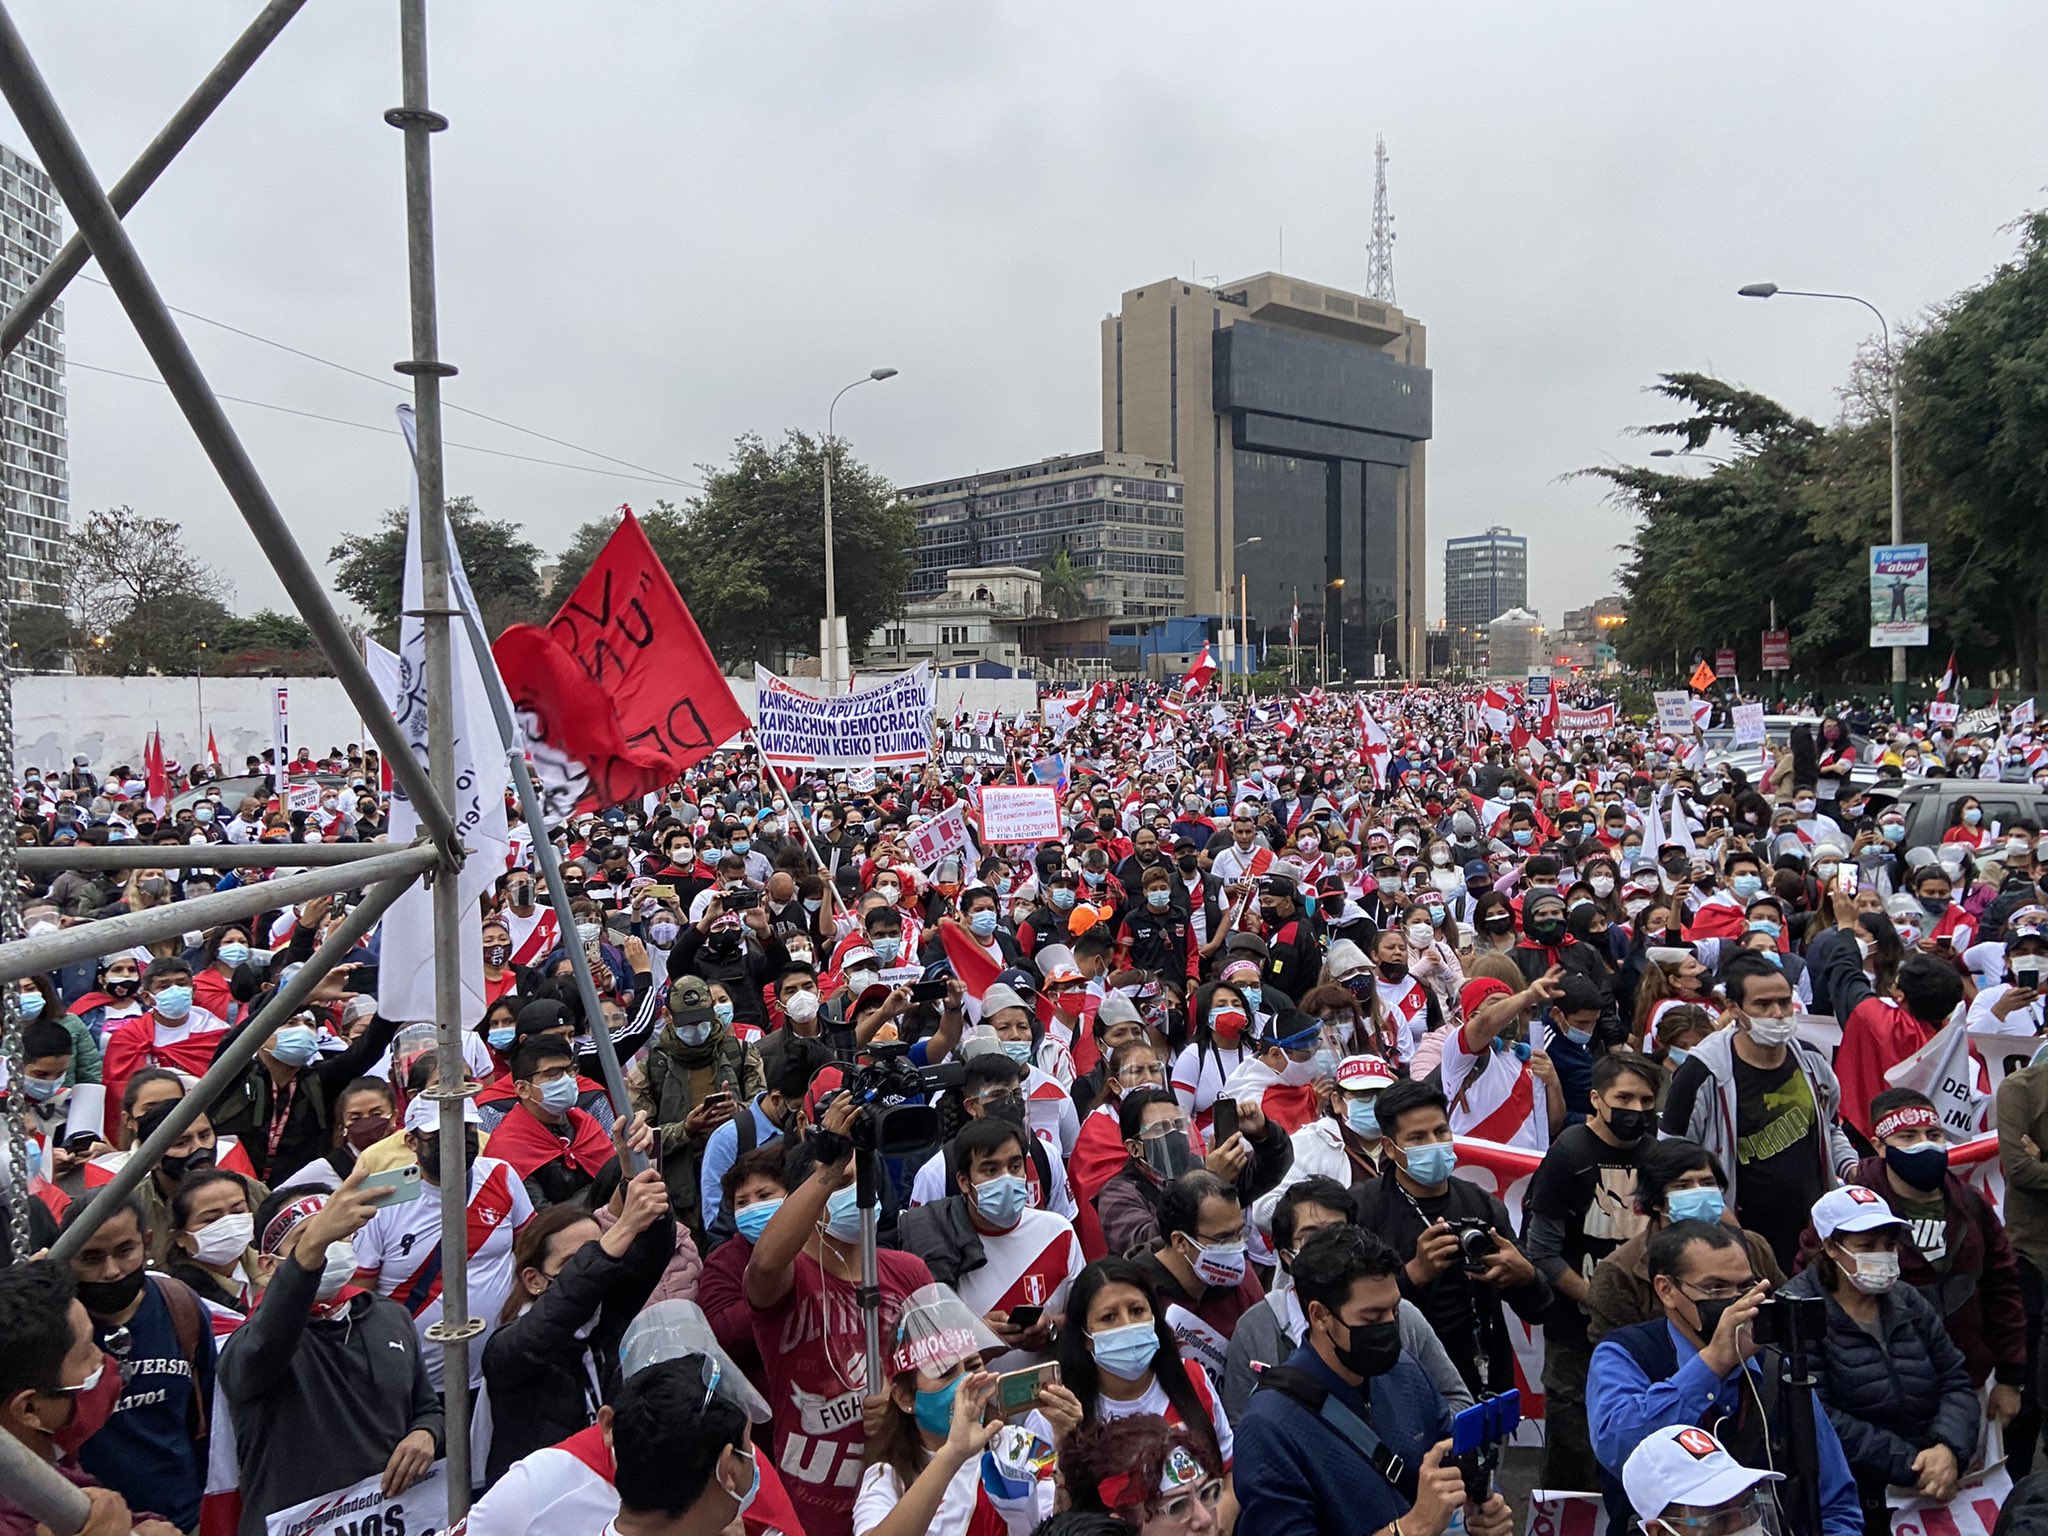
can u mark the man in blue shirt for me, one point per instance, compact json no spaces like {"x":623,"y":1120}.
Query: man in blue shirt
{"x":1351,"y":1435}
{"x":1696,"y":1366}
{"x":771,"y":1116}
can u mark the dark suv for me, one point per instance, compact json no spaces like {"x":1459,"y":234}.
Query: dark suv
{"x":1930,"y":805}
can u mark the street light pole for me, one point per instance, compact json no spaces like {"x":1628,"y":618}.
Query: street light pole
{"x":1772,"y":290}
{"x":831,"y":653}
{"x":1237,"y":650}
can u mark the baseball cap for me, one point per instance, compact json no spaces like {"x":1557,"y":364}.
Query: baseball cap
{"x":423,"y":1114}
{"x":1360,"y":1072}
{"x":1852,"y":1208}
{"x":689,"y":1000}
{"x":1475,"y":869}
{"x":999,"y":998}
{"x":1683,"y":1464}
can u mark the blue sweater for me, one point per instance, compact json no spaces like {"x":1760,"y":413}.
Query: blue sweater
{"x":1296,"y":1475}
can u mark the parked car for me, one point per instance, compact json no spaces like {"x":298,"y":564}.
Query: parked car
{"x":1930,"y":805}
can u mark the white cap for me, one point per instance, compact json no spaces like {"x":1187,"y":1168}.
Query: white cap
{"x":1344,"y":957}
{"x":1001,"y":996}
{"x":1683,"y":1464}
{"x":1852,"y":1208}
{"x":423,"y":1114}
{"x":1360,"y":1072}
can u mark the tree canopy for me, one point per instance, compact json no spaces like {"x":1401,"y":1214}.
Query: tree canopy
{"x":748,"y":554}
{"x":1063,"y":588}
{"x":144,"y":602}
{"x":502,"y":563}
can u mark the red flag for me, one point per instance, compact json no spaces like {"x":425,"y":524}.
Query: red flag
{"x":212,"y":751}
{"x":1948,"y":680}
{"x":157,"y":783}
{"x":971,"y":963}
{"x":1199,"y":673}
{"x":640,"y":698}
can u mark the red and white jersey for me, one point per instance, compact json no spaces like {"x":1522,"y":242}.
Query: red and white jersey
{"x":1957,"y":926}
{"x":1198,"y":1079}
{"x":1155,"y":1401}
{"x":1050,"y":1108}
{"x":1405,"y":1005}
{"x":1031,"y":1265}
{"x":146,"y":1041}
{"x":532,"y":936}
{"x":930,"y":1186}
{"x":567,"y":1490}
{"x":399,"y":1251}
{"x":1493,"y":1096}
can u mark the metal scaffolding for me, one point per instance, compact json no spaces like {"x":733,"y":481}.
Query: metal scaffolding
{"x":383,"y":872}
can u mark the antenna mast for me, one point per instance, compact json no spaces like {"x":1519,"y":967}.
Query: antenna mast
{"x":1379,"y":278}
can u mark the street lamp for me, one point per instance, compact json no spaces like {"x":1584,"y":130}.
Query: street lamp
{"x":833,"y":651}
{"x":1771,"y":291}
{"x":1243,"y":612}
{"x":1336,"y":585}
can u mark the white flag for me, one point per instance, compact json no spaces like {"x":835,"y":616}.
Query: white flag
{"x":406,"y":957}
{"x":1945,"y":1071}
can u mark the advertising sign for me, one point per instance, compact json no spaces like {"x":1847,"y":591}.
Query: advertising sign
{"x":1898,"y":595}
{"x":1777,"y":650}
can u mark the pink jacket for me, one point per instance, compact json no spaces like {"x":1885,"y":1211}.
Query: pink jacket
{"x":679,"y":1281}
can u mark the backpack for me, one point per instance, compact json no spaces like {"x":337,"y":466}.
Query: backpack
{"x":188,"y":1318}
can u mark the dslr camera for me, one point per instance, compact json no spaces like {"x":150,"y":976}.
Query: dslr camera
{"x":1476,"y":1241}
{"x":897,"y":1118}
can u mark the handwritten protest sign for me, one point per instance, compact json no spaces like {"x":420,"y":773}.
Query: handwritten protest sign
{"x":940,"y":836}
{"x":1020,"y":813}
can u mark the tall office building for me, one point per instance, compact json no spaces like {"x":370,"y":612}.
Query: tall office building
{"x":1485,"y":575}
{"x":1296,"y":416}
{"x":35,"y":481}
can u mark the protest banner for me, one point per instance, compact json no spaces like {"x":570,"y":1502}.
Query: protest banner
{"x":943,"y":834}
{"x":885,"y":722}
{"x":1749,"y":725}
{"x":1978,"y":722}
{"x":1674,"y":710}
{"x":1724,"y":663}
{"x":2001,"y":1053}
{"x":1581,"y":722}
{"x":422,"y":1510}
{"x":1020,"y":813}
{"x":1942,"y":712}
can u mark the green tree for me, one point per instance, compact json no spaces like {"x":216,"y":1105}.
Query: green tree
{"x":748,"y":553}
{"x":1062,"y":588}
{"x":264,"y":643}
{"x":502,"y":563}
{"x":144,"y":601}
{"x":42,"y":638}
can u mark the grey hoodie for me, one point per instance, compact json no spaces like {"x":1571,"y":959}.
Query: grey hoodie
{"x":1713,"y":1112}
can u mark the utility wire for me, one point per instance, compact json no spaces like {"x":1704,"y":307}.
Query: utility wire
{"x":364,"y":426}
{"x":446,"y":405}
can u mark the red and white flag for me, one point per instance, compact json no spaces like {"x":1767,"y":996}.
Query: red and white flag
{"x":1199,"y":674}
{"x":212,"y":751}
{"x":157,"y":782}
{"x":1948,"y":680}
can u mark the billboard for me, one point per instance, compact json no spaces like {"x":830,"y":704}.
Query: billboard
{"x":1898,"y":595}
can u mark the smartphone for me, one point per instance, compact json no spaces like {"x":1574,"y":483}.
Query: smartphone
{"x":2028,"y":976}
{"x":1944,"y":941}
{"x":1025,"y":1317}
{"x":1019,"y":1389}
{"x":1845,"y":880}
{"x":714,"y":1100}
{"x":363,"y":979}
{"x":928,"y":991}
{"x":397,"y":1186}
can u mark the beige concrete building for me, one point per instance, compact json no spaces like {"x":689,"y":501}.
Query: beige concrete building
{"x":1295,"y":415}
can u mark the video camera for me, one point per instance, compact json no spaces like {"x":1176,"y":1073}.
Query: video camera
{"x":897,"y":1118}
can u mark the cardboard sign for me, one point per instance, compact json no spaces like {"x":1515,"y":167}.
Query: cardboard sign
{"x":422,"y":1510}
{"x":1940,"y":713}
{"x":1020,"y":813}
{"x":861,"y":780}
{"x":1749,"y":725}
{"x":1674,"y":710}
{"x":302,"y":797}
{"x":940,"y":836}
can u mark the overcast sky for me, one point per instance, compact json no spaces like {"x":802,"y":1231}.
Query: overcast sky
{"x":663,"y":225}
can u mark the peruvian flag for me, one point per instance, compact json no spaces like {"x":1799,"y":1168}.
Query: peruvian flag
{"x":212,"y":751}
{"x":1373,"y":744}
{"x":1493,"y":712}
{"x":2023,"y":713}
{"x":157,"y":783}
{"x":1294,"y":627}
{"x":1948,"y":680}
{"x":1199,"y":674}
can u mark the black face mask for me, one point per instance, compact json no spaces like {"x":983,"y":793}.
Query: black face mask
{"x":104,"y":1298}
{"x":1711,"y":1311}
{"x":1500,"y":924}
{"x":1189,"y":864}
{"x":1394,"y":970}
{"x":1373,"y":1349}
{"x":124,"y":989}
{"x":1629,"y":1125}
{"x":430,"y":1155}
{"x":1546,"y":930}
{"x":175,"y":1168}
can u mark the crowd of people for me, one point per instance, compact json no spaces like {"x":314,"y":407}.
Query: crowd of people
{"x":1175,"y":1143}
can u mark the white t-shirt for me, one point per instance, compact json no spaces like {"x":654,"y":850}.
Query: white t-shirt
{"x":550,"y":1492}
{"x":402,"y":1243}
{"x":1198,"y":1079}
{"x":881,"y":1490}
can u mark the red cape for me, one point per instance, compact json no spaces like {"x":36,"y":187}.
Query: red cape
{"x":526,"y":1144}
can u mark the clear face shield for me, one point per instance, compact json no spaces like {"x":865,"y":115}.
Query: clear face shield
{"x":1754,"y":1513}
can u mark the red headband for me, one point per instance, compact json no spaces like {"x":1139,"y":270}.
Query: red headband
{"x":1908,"y":1117}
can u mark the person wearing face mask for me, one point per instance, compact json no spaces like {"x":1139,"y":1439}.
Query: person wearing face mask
{"x":797,"y":1280}
{"x":556,"y":1149}
{"x":1155,"y":934}
{"x":1500,"y":1087}
{"x":1700,"y":1362}
{"x":57,"y":1389}
{"x":1294,"y":954}
{"x":1277,"y":1077}
{"x":1051,"y":922}
{"x":1437,"y":1221}
{"x":171,"y":1033}
{"x":753,"y":1191}
{"x":1877,"y":1032}
{"x":1681,"y":1481}
{"x":213,"y":1226}
{"x":695,"y":1077}
{"x":1344,"y":1143}
{"x":322,"y":1362}
{"x":151,"y":1450}
{"x":1765,"y":1104}
{"x":1725,"y":913}
{"x":990,"y":1241}
{"x":775,"y":1112}
{"x":398,"y":1253}
{"x":1581,"y":1206}
{"x":576,"y":1288}
{"x":1313,"y":1450}
{"x":281,"y":1108}
{"x":981,"y":918}
{"x":1199,"y":1270}
{"x":1896,"y":1387}
{"x":529,"y":918}
{"x":43,"y":1090}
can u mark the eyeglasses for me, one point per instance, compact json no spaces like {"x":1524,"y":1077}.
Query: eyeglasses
{"x":1720,"y":1290}
{"x":1182,"y":1505}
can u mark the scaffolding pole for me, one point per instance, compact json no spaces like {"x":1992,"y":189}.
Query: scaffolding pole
{"x":418,"y":122}
{"x":64,"y":160}
{"x":190,"y":856}
{"x":229,"y":1065}
{"x":150,"y":164}
{"x":88,"y":941}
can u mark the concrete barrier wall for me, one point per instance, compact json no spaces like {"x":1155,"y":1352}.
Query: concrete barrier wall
{"x":109,"y":718}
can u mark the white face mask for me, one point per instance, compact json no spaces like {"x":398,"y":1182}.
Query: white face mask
{"x":800,"y":1007}
{"x":1871,"y":1273}
{"x":339,"y":1269}
{"x":1773,"y":1031}
{"x":221,"y":1242}
{"x":1298,"y":1074}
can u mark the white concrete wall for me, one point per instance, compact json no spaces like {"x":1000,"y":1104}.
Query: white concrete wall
{"x":109,"y":718}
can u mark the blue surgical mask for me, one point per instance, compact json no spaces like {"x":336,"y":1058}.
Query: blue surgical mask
{"x":697,"y":1033}
{"x":1001,"y":1200}
{"x":559,"y":1096}
{"x":1363,"y":1118}
{"x":722,"y":1012}
{"x":1061,"y":898}
{"x":42,"y":1089}
{"x":1893,"y":831}
{"x":1576,"y":1036}
{"x":1432,"y":1162}
{"x":1018,"y":1051}
{"x":1524,"y":836}
{"x":742,"y":844}
{"x":1159,"y":900}
{"x":173,"y":1002}
{"x":1768,"y":925}
{"x":752,"y":1220}
{"x":933,"y":1410}
{"x":502,"y":1037}
{"x":842,"y":1214}
{"x":1251,"y":996}
{"x":1745,"y":887}
{"x":1126,"y":1353}
{"x":1308,"y":903}
{"x":1696,"y":1204}
{"x":31,"y":1006}
{"x":886,"y":950}
{"x":233,"y":954}
{"x":982,"y":924}
{"x":1677,"y":1056}
{"x":294,"y":1045}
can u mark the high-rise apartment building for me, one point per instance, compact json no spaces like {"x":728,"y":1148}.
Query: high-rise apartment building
{"x":1118,"y":518}
{"x":1296,"y":417}
{"x":1485,"y":575}
{"x":35,"y":480}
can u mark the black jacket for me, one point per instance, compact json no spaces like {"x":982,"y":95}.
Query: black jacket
{"x":535,"y":1366}
{"x":320,"y":1406}
{"x":245,"y":1106}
